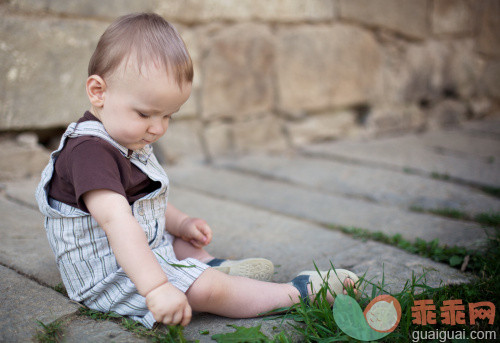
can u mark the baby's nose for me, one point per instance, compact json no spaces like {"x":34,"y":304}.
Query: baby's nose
{"x":157,"y":128}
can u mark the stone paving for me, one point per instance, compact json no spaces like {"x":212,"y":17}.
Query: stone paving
{"x":287,"y":208}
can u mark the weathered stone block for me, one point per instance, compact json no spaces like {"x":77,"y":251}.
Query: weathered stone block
{"x":191,"y":38}
{"x":408,"y":17}
{"x":424,"y":67}
{"x":84,"y":329}
{"x":294,"y":10}
{"x":491,"y":79}
{"x":19,"y":160}
{"x":390,"y":119}
{"x":43,"y":69}
{"x":217,"y":136}
{"x":259,"y":133}
{"x":324,"y":66}
{"x":24,"y":246}
{"x":24,"y":303}
{"x":415,"y":73}
{"x":454,"y":16}
{"x":89,"y":8}
{"x":182,"y":139}
{"x":463,"y":68}
{"x":489,"y":31}
{"x":193,"y":11}
{"x":190,"y":108}
{"x":322,"y":127}
{"x":480,"y":106}
{"x":447,"y":113}
{"x":238,"y":72}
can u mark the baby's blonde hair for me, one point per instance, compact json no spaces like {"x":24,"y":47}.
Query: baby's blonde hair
{"x":151,"y":38}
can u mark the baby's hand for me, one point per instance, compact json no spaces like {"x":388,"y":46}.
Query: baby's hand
{"x":196,"y":231}
{"x":169,"y":305}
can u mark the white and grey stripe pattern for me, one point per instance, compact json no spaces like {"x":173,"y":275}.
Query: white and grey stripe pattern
{"x":84,"y":257}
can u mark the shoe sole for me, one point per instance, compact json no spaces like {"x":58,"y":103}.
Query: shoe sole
{"x":253,"y":268}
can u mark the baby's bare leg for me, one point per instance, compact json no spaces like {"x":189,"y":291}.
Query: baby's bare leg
{"x":238,"y":297}
{"x":185,"y":249}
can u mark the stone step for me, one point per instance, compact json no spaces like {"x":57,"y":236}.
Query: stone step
{"x":359,"y":181}
{"x":24,"y":245}
{"x":22,"y":191}
{"x":240,"y":231}
{"x":24,"y":303}
{"x":458,"y":142}
{"x":81,"y":329}
{"x":202,"y":322}
{"x":294,"y":245}
{"x":425,"y":153}
{"x":279,"y":236}
{"x":326,"y":208}
{"x":488,"y":127}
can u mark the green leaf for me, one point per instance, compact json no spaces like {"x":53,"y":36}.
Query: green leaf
{"x":455,"y":260}
{"x":351,"y":320}
{"x":204,"y":332}
{"x":242,"y":334}
{"x":180,"y":265}
{"x":174,"y":264}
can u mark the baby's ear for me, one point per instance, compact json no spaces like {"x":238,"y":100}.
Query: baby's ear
{"x":95,"y":90}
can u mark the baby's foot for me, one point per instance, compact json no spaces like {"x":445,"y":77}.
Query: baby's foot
{"x":253,"y":268}
{"x":339,"y":281}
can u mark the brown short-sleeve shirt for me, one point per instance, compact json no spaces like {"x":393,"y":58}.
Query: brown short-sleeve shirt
{"x":89,"y":163}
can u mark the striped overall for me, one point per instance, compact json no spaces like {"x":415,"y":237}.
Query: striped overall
{"x":84,"y":257}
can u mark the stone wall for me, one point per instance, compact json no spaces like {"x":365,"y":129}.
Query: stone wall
{"x":269,"y":75}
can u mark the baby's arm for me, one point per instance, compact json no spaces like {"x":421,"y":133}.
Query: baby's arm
{"x":193,"y":230}
{"x":129,"y":243}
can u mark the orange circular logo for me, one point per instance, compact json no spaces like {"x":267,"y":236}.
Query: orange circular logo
{"x":383,"y":313}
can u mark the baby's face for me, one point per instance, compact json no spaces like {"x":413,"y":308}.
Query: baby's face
{"x":138,"y":106}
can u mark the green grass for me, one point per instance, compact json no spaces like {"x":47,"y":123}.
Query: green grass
{"x":60,"y":289}
{"x":318,"y":325}
{"x":315,"y":322}
{"x":491,"y":219}
{"x":49,"y":333}
{"x":439,"y":176}
{"x":163,"y":334}
{"x":457,"y":257}
{"x":488,"y":219}
{"x":494,"y":191}
{"x":453,"y":256}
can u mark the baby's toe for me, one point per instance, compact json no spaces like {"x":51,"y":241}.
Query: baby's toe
{"x":349,"y":284}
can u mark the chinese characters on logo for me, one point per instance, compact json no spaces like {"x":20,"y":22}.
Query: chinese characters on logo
{"x":452,"y":312}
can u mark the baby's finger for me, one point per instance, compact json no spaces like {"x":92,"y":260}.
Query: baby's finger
{"x":208,"y":236}
{"x":196,"y":244}
{"x":207,"y":233}
{"x":187,"y":316}
{"x":198,"y":235}
{"x":177,"y":317}
{"x":167,"y":320}
{"x":205,"y":229}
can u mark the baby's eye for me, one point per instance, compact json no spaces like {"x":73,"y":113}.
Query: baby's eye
{"x":142,"y":115}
